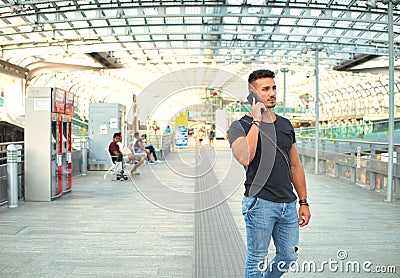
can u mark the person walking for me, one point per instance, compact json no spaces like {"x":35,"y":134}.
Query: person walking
{"x":211,"y":136}
{"x":264,"y":143}
{"x":200,"y":136}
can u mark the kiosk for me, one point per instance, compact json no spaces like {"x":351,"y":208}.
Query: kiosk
{"x":104,"y":120}
{"x":44,"y":143}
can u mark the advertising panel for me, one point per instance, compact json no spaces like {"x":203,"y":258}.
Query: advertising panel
{"x":181,"y":136}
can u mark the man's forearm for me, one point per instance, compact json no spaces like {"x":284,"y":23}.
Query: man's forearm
{"x":244,"y":148}
{"x":299,"y":182}
{"x":252,"y":139}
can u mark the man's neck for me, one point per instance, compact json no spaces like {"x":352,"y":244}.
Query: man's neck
{"x":268,"y":116}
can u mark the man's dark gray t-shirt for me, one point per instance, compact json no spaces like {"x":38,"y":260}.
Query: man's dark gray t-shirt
{"x":268,"y":175}
{"x":136,"y":145}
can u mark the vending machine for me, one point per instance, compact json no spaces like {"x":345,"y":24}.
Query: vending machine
{"x":64,"y":153}
{"x":53,"y":158}
{"x":44,"y":109}
{"x":67,"y":131}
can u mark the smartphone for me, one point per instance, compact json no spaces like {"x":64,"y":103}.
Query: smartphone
{"x":252,"y":96}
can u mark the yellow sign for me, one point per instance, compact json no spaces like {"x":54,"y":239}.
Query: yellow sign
{"x":182,"y":119}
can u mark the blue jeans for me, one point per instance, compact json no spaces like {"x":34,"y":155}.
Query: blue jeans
{"x":152,"y":151}
{"x":265,"y":219}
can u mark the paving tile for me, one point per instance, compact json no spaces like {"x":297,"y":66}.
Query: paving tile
{"x":109,"y":228}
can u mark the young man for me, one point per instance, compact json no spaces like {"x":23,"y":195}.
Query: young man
{"x":115,"y":151}
{"x":264,"y":143}
{"x":139,"y":147}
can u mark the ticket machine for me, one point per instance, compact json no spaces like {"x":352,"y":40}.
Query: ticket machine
{"x":67,"y":132}
{"x":53,"y":156}
{"x":44,"y":109}
{"x":58,"y":107}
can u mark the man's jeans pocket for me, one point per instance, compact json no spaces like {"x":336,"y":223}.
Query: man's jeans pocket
{"x":248,"y":204}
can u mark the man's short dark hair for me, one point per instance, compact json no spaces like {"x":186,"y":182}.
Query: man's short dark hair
{"x":136,"y":134}
{"x":117,"y":134}
{"x":257,"y":74}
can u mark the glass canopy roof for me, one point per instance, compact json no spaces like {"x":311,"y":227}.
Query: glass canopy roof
{"x":115,"y":48}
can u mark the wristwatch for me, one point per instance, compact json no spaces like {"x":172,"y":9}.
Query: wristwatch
{"x":303,"y":202}
{"x":255,"y":122}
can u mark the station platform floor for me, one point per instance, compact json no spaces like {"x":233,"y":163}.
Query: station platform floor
{"x":155,"y":226}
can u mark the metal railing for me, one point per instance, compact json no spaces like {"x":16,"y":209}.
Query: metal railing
{"x":161,"y":142}
{"x":76,"y":167}
{"x":76,"y":141}
{"x":369,"y":131}
{"x":360,"y":162}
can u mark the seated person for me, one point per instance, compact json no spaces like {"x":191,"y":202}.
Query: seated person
{"x":139,"y":147}
{"x":116,"y":153}
{"x":150,"y":148}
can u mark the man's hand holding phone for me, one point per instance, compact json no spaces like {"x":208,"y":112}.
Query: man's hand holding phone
{"x":257,"y":106}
